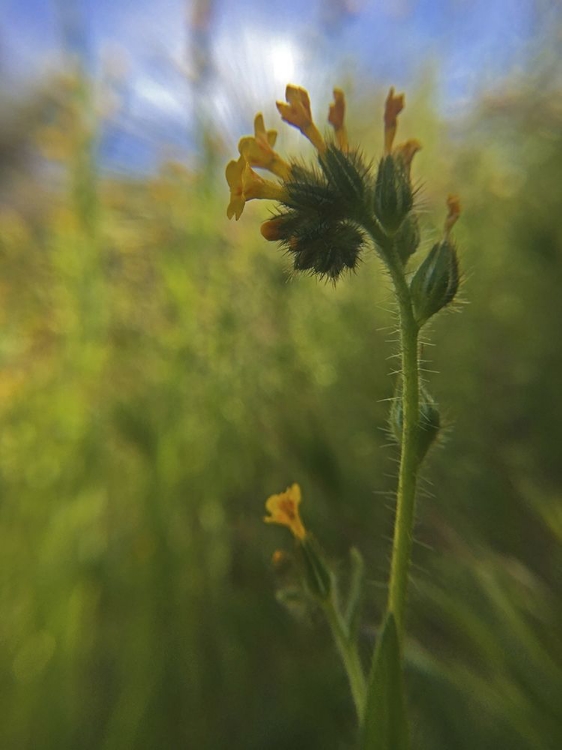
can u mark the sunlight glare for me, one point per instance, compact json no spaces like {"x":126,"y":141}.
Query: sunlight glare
{"x":283,"y":62}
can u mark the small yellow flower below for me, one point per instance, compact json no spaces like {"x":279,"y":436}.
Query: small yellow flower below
{"x":284,"y":509}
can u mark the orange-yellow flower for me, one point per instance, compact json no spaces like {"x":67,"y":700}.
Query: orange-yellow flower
{"x":234,"y":172}
{"x":256,"y":187}
{"x":454,"y":206}
{"x":393,"y":106}
{"x":258,"y":150}
{"x":297,"y":112}
{"x":336,"y":117}
{"x":284,"y":509}
{"x":406,"y":152}
{"x":245,"y":184}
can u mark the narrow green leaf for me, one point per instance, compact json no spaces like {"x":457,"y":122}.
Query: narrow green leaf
{"x":354,"y":605}
{"x":385,"y":725}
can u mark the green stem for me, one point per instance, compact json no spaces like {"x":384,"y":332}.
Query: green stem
{"x":409,"y":460}
{"x":349,"y":653}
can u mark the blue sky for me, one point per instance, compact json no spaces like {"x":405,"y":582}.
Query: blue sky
{"x":256,"y":47}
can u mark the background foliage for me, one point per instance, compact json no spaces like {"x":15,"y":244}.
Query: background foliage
{"x":160,"y":376}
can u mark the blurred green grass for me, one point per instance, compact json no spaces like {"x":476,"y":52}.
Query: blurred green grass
{"x":160,"y":377}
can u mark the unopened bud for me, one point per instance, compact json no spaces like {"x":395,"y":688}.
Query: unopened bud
{"x":429,"y":421}
{"x":393,"y":194}
{"x":436,"y":281}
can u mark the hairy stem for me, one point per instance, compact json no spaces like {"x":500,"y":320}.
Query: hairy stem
{"x":409,"y":457}
{"x":349,"y":654}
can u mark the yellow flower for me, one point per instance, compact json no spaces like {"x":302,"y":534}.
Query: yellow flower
{"x":258,"y":150}
{"x":336,"y":118}
{"x":393,"y":106}
{"x":245,"y":184}
{"x":256,"y":187}
{"x":454,"y":206}
{"x":234,"y":172}
{"x":406,"y":152}
{"x":284,"y":509}
{"x":297,"y":112}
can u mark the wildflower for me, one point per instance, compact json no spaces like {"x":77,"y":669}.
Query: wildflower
{"x":234,"y":172}
{"x":327,"y":213}
{"x":284,"y":509}
{"x":245,"y":184}
{"x":258,"y":150}
{"x":454,"y":206}
{"x":393,"y":106}
{"x":297,"y":112}
{"x":406,"y":152}
{"x":336,"y":119}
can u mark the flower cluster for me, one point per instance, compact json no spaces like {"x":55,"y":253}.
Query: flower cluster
{"x":325,"y":212}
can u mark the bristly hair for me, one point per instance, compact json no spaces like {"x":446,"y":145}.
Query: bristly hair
{"x":318,"y":222}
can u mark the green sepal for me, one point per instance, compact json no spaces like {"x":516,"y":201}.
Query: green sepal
{"x":393,"y":197}
{"x":385,"y":724}
{"x":429,"y":422}
{"x":348,"y":175}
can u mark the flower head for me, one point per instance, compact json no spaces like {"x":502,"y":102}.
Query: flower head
{"x":336,"y":118}
{"x":258,"y":150}
{"x":296,"y":111}
{"x":284,"y":509}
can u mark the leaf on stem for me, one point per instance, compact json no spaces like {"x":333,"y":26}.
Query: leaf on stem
{"x":384,"y":725}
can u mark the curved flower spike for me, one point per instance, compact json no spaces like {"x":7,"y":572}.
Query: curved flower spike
{"x":258,"y":150}
{"x":393,"y":106}
{"x":336,"y":116}
{"x":297,"y":113}
{"x":284,"y":509}
{"x":454,"y":206}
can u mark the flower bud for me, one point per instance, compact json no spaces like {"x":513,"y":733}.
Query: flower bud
{"x":393,"y":198}
{"x":436,"y":281}
{"x":429,"y":421}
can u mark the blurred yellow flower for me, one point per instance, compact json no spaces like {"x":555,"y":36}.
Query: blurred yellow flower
{"x":336,"y":116}
{"x":234,"y":172}
{"x":258,"y":150}
{"x":454,"y":206}
{"x":284,"y":509}
{"x":297,"y":112}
